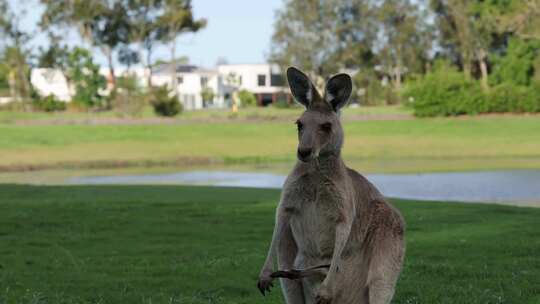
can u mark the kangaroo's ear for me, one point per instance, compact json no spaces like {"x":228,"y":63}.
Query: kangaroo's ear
{"x":338,"y":90}
{"x":301,"y":86}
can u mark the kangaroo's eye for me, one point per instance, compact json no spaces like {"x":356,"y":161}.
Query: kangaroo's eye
{"x":326,"y":127}
{"x":299,"y":126}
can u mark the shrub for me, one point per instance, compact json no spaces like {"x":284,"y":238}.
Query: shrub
{"x":164,"y":103}
{"x":373,"y":92}
{"x":48,"y":104}
{"x":247,"y":99}
{"x":508,"y":97}
{"x":285,"y":101}
{"x":207,"y":95}
{"x":445,"y":92}
{"x":13,"y":106}
{"x":127,"y":98}
{"x":282,"y":104}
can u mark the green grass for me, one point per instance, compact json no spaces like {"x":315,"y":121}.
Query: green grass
{"x":169,"y":244}
{"x":396,"y":145}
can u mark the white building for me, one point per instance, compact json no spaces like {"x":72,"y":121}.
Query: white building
{"x":191,"y":81}
{"x":263,"y":80}
{"x":51,"y":82}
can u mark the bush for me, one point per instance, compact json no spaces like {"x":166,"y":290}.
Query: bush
{"x":164,"y":103}
{"x":207,"y":95}
{"x":127,"y":98}
{"x":247,"y":99}
{"x":445,"y":92}
{"x":282,"y":103}
{"x":508,"y":97}
{"x":48,"y":104}
{"x":373,"y":91}
{"x":285,"y":101}
{"x":15,"y":106}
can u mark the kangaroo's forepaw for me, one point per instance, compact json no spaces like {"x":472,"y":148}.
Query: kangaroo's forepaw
{"x":264,"y":283}
{"x":323,"y":300}
{"x":323,"y":296}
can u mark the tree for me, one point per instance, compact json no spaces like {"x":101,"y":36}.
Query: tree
{"x":102,"y":23}
{"x":177,"y":19}
{"x":128,"y":57}
{"x":15,"y":55}
{"x":521,"y":18}
{"x":305,"y":35}
{"x":517,"y":64}
{"x":83,"y":74}
{"x":455,"y":35}
{"x":144,"y":29}
{"x":4,"y":80}
{"x":356,"y":30}
{"x":472,"y":29}
{"x":406,"y":39}
{"x":484,"y":27}
{"x":55,"y":55}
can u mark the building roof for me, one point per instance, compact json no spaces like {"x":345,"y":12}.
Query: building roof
{"x":166,"y":68}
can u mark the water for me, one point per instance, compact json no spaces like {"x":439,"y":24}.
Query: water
{"x":514,"y":187}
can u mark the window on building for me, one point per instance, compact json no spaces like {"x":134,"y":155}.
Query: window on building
{"x":261,"y":80}
{"x":204,"y":81}
{"x":179,"y":79}
{"x":276,"y":80}
{"x":240,"y":80}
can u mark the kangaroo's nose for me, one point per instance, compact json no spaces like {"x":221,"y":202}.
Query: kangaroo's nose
{"x":304,"y":153}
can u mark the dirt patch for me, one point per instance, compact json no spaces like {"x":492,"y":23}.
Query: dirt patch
{"x":180,"y":121}
{"x":112,"y":164}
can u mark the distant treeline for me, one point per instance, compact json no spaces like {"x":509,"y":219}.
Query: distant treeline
{"x":443,"y":57}
{"x":125,"y":30}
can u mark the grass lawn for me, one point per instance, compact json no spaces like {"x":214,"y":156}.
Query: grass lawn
{"x":170,"y":244}
{"x":444,"y":144}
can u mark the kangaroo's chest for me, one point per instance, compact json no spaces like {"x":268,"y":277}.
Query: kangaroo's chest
{"x":314,"y":206}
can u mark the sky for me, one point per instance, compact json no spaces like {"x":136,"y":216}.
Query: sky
{"x":237,"y":30}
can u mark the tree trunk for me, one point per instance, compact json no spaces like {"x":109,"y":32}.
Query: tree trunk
{"x":483,"y":69}
{"x":149,"y":67}
{"x":108,"y":53}
{"x":397,"y":75}
{"x":482,"y":58}
{"x":174,"y":81}
{"x":467,"y":70}
{"x":427,"y":67}
{"x":21,"y":78}
{"x":12,"y":86}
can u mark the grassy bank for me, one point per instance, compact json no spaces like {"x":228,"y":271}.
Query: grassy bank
{"x":395,"y":145}
{"x":122,"y":244}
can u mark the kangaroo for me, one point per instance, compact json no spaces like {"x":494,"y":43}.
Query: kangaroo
{"x":336,"y":238}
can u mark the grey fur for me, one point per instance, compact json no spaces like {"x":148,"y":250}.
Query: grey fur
{"x":336,"y":238}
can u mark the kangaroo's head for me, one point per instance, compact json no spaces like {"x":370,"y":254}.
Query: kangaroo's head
{"x":319,"y":131}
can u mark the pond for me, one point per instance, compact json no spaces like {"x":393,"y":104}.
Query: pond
{"x":519,"y":187}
